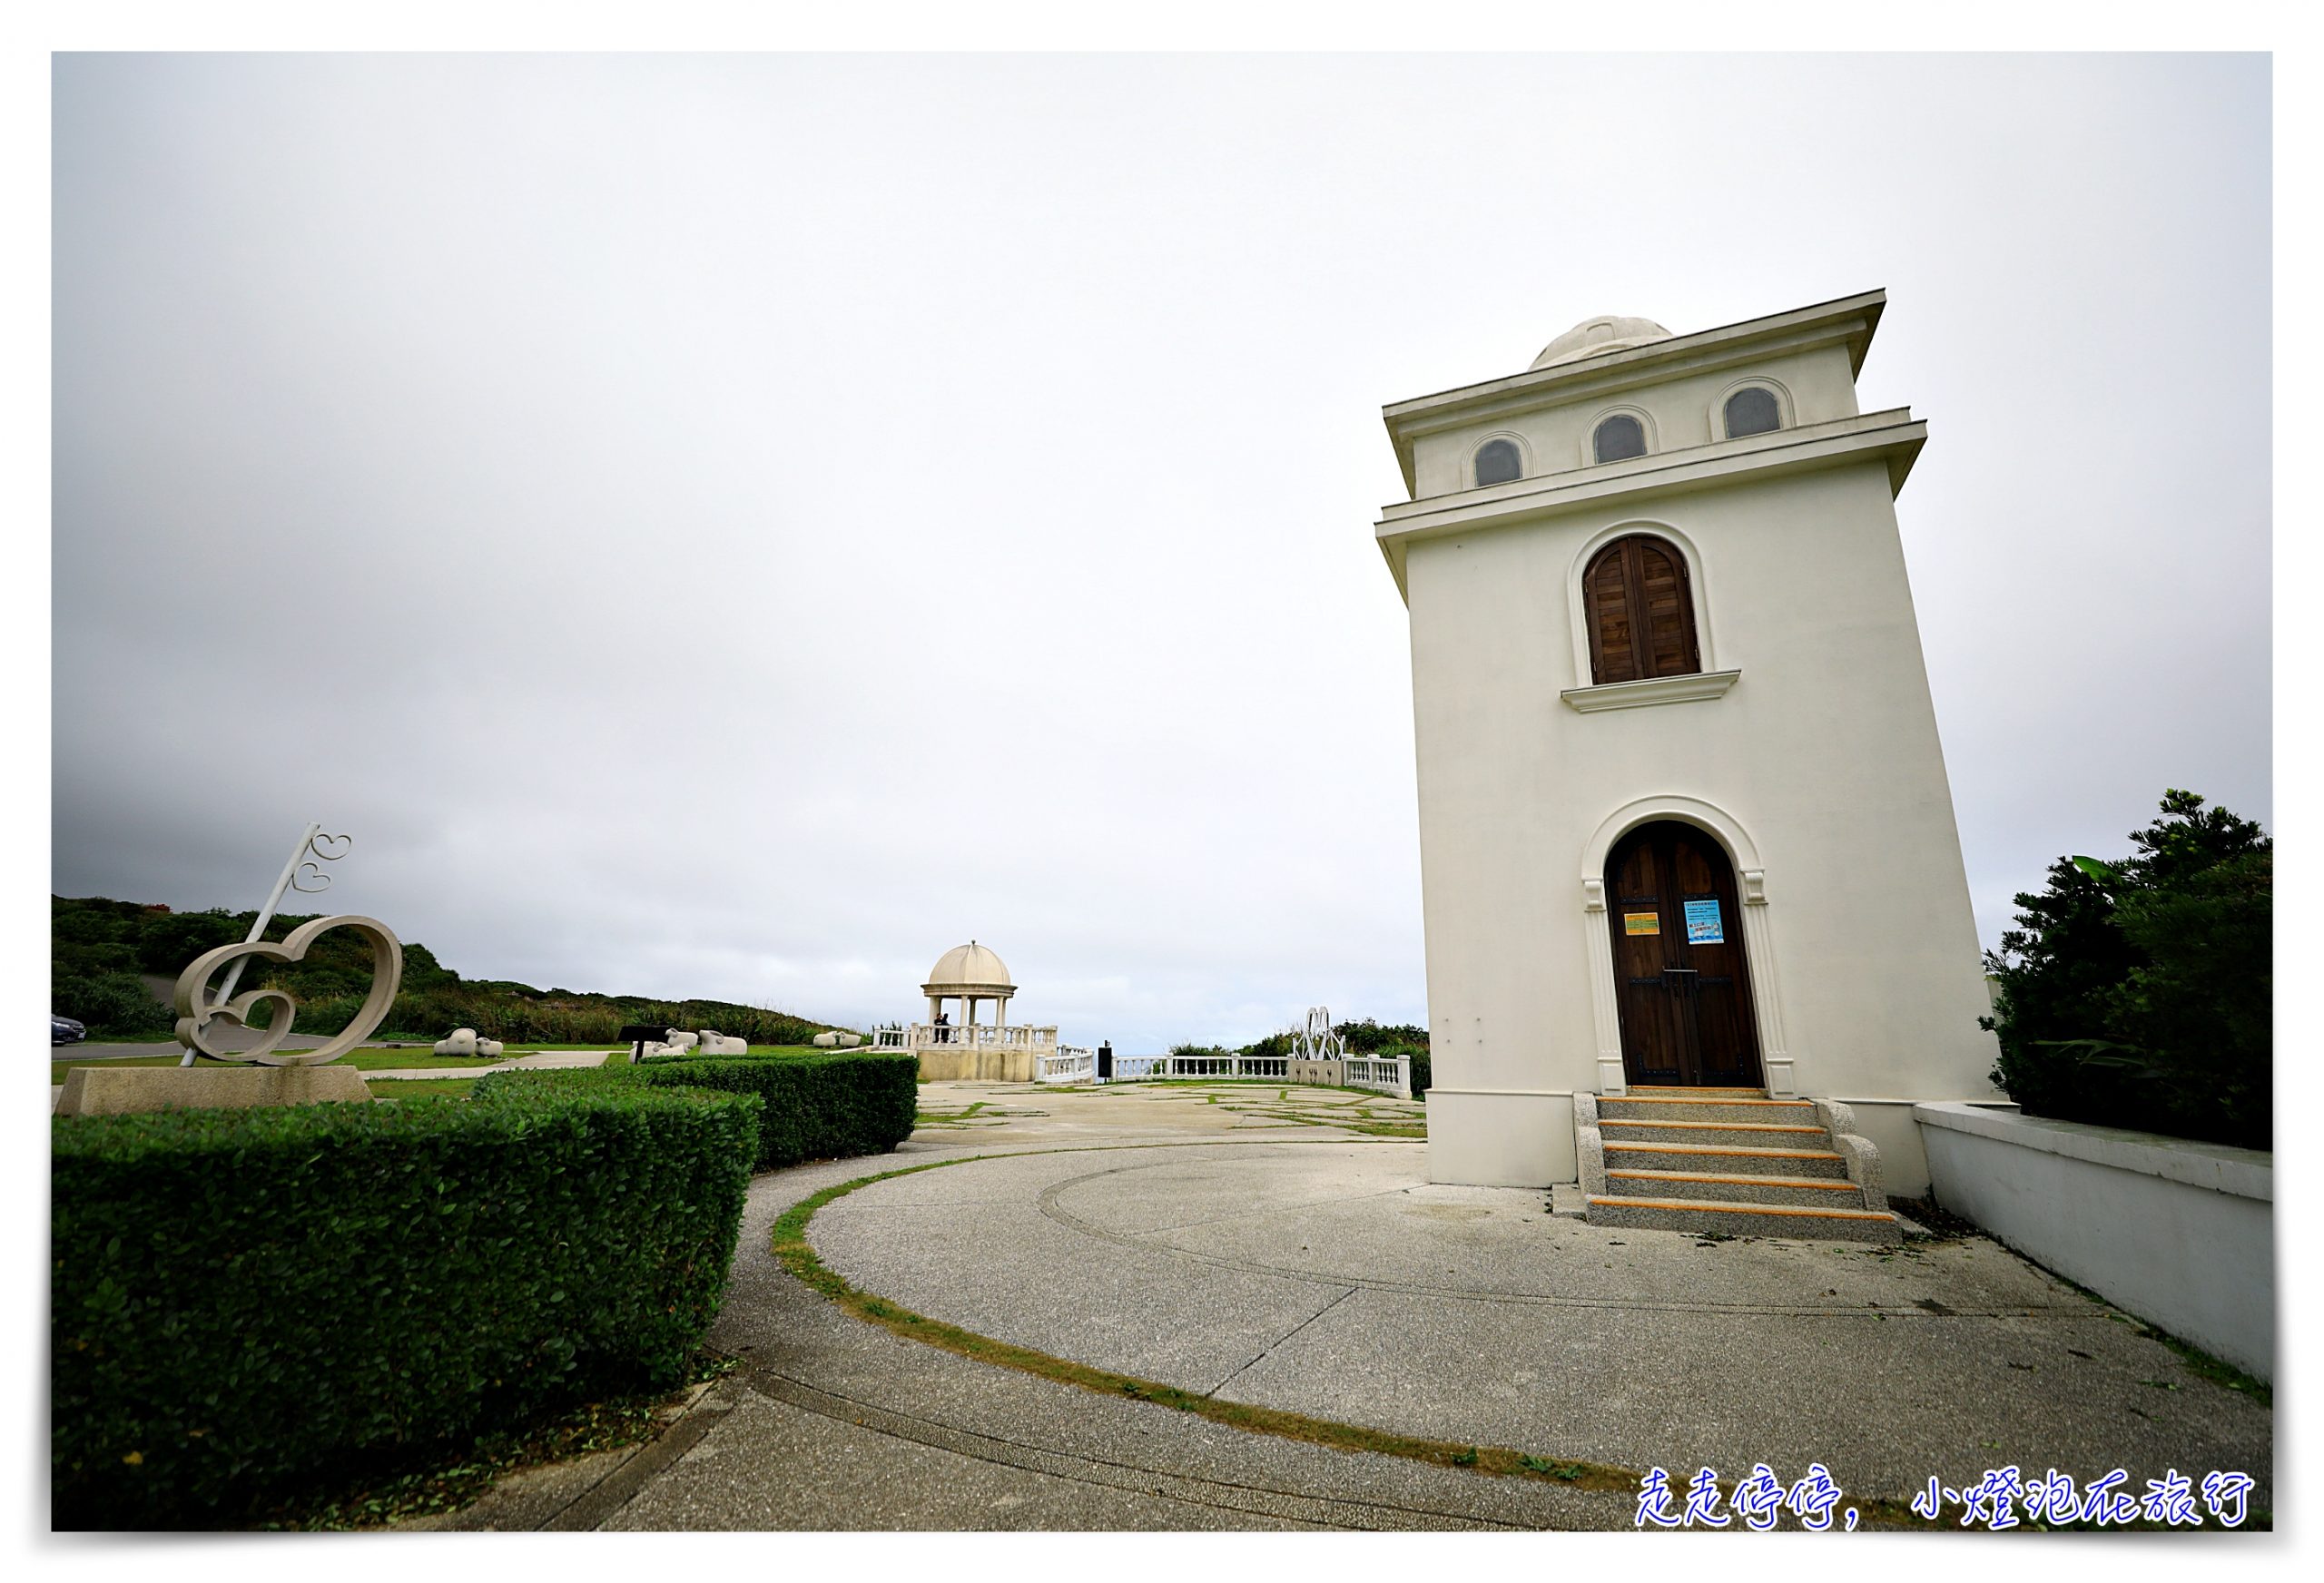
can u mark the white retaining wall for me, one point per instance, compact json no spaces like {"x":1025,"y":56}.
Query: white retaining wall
{"x":2180,"y":1233}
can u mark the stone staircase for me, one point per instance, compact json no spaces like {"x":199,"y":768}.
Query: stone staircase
{"x":1731,"y":1161}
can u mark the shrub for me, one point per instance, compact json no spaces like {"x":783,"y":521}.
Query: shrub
{"x":1201,"y":1051}
{"x":246,"y":1303}
{"x":2138,"y":994}
{"x":817,"y":1108}
{"x":110,"y":1003}
{"x":1370,"y":1037}
{"x":76,"y":959}
{"x":168,"y":940}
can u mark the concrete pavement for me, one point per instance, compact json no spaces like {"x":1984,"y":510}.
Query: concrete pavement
{"x":1282,"y":1248}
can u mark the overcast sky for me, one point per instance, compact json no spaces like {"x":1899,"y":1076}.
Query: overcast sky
{"x":740,"y":525}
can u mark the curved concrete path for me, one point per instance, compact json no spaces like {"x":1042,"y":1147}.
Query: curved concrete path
{"x":1281,"y":1253}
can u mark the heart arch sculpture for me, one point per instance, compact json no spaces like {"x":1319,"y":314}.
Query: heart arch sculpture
{"x":197,"y":1011}
{"x":1317,"y":1042}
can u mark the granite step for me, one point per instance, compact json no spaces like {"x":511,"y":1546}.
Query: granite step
{"x":1756,"y":1134}
{"x":1684,"y":1091}
{"x":1744,"y":1219}
{"x":1657,"y":1107}
{"x":1735,"y":1187}
{"x":1805,"y":1161}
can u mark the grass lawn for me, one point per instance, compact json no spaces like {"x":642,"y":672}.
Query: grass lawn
{"x":755,"y":1050}
{"x":372,"y":1059}
{"x":529,"y":1047}
{"x":522,"y":1049}
{"x":364,"y":1060}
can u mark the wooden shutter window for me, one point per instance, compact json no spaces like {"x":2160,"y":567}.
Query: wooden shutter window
{"x":1640,"y":611}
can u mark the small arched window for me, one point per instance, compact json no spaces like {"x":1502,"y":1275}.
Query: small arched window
{"x":1620,"y":436}
{"x":1752,"y":410}
{"x":1641,"y":610}
{"x":1498,"y":463}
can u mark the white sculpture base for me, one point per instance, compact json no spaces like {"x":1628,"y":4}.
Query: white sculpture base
{"x":131,"y":1090}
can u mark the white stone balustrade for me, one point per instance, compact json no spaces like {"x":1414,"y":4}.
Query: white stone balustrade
{"x":1386,"y":1074}
{"x":1033,"y":1041}
{"x":1072,"y":1064}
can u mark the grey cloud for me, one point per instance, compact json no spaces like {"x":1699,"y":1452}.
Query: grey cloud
{"x":740,"y":526}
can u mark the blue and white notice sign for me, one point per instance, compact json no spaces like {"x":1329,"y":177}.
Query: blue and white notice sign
{"x":1703,"y":926}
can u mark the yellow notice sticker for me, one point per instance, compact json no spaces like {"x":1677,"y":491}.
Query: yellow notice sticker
{"x":1642,"y":923}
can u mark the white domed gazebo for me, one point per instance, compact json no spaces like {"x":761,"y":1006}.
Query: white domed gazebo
{"x":991,"y":1052}
{"x":968,"y":974}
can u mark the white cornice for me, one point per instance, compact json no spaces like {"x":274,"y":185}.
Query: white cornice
{"x":1893,"y":437}
{"x":1847,"y":319}
{"x":1684,"y":689}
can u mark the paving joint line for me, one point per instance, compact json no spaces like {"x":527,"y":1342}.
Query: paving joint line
{"x":592,"y":1507}
{"x":1051,"y":1210}
{"x":980,"y":1446}
{"x":1261,"y":1354}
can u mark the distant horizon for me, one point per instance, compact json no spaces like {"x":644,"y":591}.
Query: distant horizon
{"x":552,"y":987}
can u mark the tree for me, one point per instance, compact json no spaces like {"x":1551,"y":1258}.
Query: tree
{"x":2139,"y":993}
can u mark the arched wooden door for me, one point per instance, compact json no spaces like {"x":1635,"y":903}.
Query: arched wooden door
{"x":1679,"y":976}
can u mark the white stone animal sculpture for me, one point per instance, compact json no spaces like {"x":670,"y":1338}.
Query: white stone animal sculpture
{"x":465,"y":1042}
{"x":708,"y":1042}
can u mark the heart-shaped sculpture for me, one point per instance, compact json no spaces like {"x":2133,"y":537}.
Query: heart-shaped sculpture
{"x":196,"y":1011}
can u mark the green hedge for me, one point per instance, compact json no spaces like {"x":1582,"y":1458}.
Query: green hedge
{"x":818,"y":1107}
{"x":247,"y":1304}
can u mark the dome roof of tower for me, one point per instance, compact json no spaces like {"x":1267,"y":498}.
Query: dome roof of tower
{"x":1593,"y":337}
{"x":970,"y":964}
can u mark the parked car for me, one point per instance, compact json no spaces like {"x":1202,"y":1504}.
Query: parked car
{"x":63,"y":1030}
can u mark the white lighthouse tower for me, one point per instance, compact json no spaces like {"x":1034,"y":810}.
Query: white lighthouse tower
{"x":1683,"y":814}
